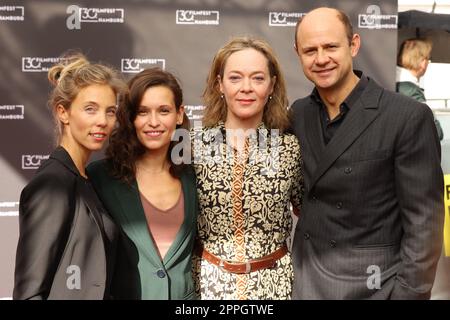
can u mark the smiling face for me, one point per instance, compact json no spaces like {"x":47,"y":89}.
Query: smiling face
{"x":324,"y":50}
{"x":157,"y":118}
{"x":89,"y":120}
{"x":246,"y":86}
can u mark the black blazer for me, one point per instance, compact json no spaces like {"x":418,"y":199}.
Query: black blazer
{"x":373,"y":201}
{"x":67,"y":242}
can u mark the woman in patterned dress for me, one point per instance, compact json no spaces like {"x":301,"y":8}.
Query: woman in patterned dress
{"x":248,"y":174}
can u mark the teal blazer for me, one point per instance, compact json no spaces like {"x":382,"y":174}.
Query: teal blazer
{"x":140,"y":273}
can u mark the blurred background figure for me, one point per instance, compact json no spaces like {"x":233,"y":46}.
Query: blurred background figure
{"x":412,"y":63}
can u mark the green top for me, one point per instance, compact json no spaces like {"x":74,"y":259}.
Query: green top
{"x":412,"y":90}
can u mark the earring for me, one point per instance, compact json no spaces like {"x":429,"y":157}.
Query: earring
{"x":221,"y":96}
{"x":270,"y":97}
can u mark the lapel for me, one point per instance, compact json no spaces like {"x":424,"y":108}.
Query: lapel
{"x":92,"y":208}
{"x":188,"y":224}
{"x":61,"y":155}
{"x":357,"y":120}
{"x":134,"y":222}
{"x":314,"y":131}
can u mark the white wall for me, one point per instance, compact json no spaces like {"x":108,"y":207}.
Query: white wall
{"x":436,"y":83}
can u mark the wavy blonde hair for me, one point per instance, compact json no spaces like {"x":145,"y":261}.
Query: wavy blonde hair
{"x":412,"y":52}
{"x":73,"y":73}
{"x":275,"y":114}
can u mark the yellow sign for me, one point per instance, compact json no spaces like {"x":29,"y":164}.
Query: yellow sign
{"x":447,"y":215}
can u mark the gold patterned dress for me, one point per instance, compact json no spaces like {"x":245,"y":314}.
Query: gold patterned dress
{"x":245,"y":211}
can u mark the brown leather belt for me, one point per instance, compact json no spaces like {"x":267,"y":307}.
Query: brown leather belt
{"x":265,"y":262}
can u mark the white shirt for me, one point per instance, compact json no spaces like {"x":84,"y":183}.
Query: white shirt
{"x":404,"y":75}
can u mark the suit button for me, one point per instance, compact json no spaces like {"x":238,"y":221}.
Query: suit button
{"x":306,"y":236}
{"x":314,"y":198}
{"x":339,"y":205}
{"x":333,"y":243}
{"x":161,"y":274}
{"x":348,"y":170}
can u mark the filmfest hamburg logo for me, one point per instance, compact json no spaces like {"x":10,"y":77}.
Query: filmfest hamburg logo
{"x":12,"y":112}
{"x":284,"y":19}
{"x":77,"y":15}
{"x":194,"y":112}
{"x":12,"y":13}
{"x":373,"y":19}
{"x":33,"y":161}
{"x":9,"y":208}
{"x":134,"y":65}
{"x":200,"y":17}
{"x":38,"y":64}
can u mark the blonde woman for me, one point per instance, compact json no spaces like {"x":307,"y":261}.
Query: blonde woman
{"x":412,"y":64}
{"x":67,"y":241}
{"x":248,"y":174}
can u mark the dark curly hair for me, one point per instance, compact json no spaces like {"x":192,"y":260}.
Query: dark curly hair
{"x":124,"y":148}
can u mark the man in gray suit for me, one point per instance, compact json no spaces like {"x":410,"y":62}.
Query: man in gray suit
{"x":371,"y":224}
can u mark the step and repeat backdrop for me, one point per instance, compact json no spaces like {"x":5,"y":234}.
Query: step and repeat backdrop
{"x":180,"y":36}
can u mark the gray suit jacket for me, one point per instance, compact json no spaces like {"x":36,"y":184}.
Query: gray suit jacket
{"x":371,"y":225}
{"x":67,"y":243}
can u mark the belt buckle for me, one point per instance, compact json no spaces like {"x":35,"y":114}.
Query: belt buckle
{"x":248,"y":267}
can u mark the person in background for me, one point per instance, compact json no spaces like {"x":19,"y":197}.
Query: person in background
{"x":248,"y":174}
{"x":67,"y":242}
{"x":412,"y":63}
{"x":373,"y":208}
{"x":150,"y":195}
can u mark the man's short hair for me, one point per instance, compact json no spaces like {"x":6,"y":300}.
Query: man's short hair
{"x":342,"y":16}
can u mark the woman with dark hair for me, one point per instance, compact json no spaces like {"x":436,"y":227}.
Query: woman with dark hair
{"x":67,"y":243}
{"x":148,"y":191}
